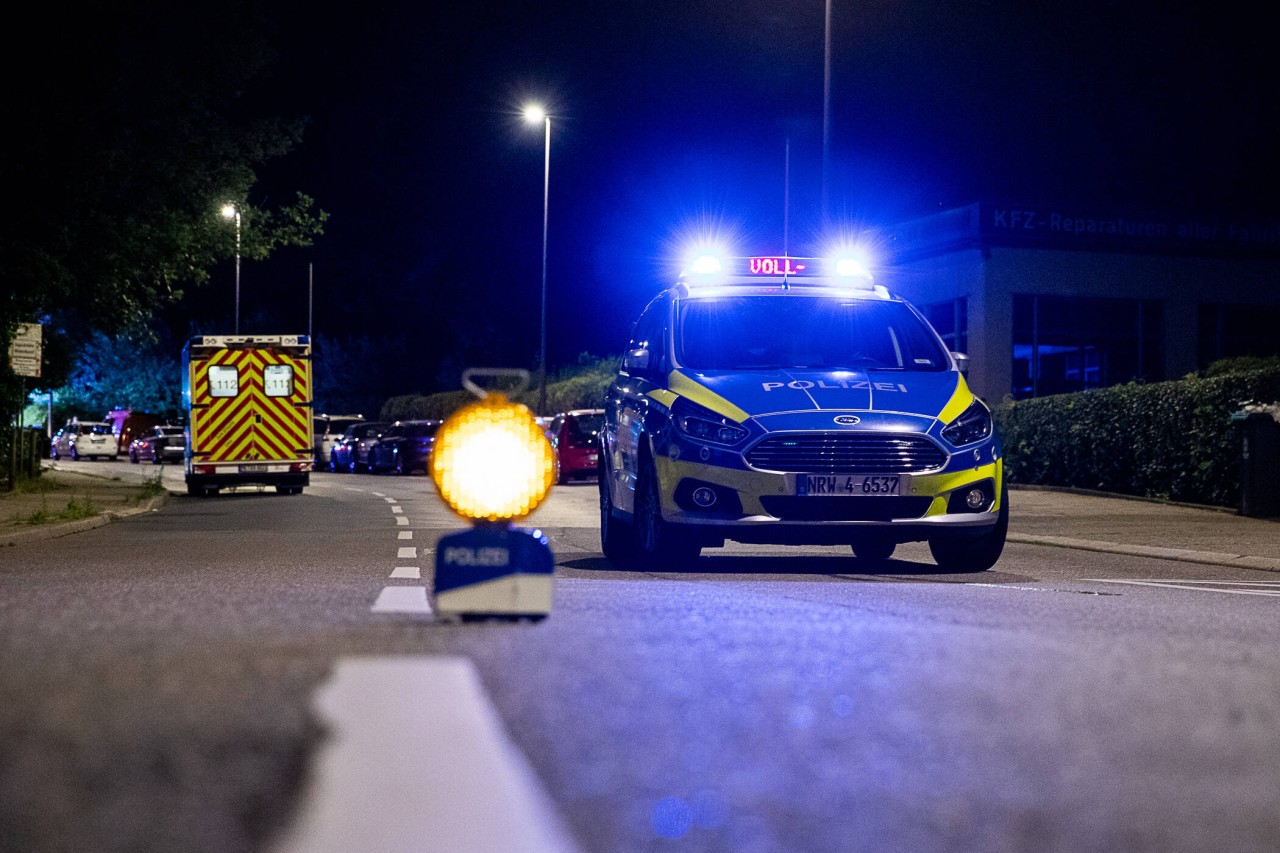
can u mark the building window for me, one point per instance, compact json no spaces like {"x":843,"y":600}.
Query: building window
{"x":1063,"y":344}
{"x":1229,"y":331}
{"x":951,"y":321}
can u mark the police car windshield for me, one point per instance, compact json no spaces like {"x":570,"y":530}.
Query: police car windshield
{"x":819,"y":332}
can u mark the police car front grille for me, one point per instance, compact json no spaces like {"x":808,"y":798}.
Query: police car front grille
{"x":790,"y":508}
{"x":846,"y":453}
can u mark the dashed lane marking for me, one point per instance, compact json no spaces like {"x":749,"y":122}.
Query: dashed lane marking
{"x":402,"y":599}
{"x":1271,"y":588}
{"x":407,"y":552}
{"x":412,"y":572}
{"x":418,"y":759}
{"x":405,"y":534}
{"x":397,"y":509}
{"x":402,"y":520}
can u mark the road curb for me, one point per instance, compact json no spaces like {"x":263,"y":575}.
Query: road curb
{"x":1183,"y":555}
{"x":58,"y":529}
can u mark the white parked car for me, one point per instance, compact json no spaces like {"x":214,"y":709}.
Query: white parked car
{"x":85,"y":440}
{"x":328,"y":432}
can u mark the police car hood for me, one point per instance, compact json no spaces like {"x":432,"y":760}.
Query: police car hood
{"x":767,"y":394}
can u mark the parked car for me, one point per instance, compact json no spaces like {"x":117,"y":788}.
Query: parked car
{"x":575,"y":437}
{"x":167,"y":443}
{"x":404,"y":447}
{"x":85,"y":440}
{"x":351,"y":452}
{"x":328,"y":430}
{"x":128,"y":424}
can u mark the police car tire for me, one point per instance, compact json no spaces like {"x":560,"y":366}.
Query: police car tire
{"x":874,"y":550}
{"x":617,"y":538}
{"x":972,"y":552}
{"x":656,"y":540}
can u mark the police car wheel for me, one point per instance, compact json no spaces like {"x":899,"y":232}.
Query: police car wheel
{"x":656,"y":540}
{"x":874,"y":550}
{"x":964,"y":551}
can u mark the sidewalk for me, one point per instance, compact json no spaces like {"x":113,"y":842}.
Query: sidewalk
{"x":64,"y":501}
{"x":1093,"y":521}
{"x":1088,"y":521}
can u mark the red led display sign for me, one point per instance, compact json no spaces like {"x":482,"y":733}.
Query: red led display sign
{"x":775,"y":266}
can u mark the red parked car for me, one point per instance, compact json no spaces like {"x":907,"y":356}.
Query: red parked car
{"x":576,"y":438}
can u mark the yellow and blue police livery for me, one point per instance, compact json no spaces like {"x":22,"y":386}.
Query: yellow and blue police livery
{"x":790,"y":400}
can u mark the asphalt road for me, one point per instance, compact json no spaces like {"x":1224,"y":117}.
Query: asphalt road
{"x":160,"y":678}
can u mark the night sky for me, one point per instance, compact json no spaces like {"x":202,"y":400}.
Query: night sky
{"x":675,"y":118}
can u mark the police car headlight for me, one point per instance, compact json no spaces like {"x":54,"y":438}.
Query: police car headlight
{"x":974,"y":424}
{"x":705,"y":425}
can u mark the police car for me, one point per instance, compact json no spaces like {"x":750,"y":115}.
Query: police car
{"x":785,"y":401}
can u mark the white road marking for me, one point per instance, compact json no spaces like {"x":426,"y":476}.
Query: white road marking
{"x":402,"y":599}
{"x":378,"y":494}
{"x":405,"y":534}
{"x":407,"y":572}
{"x":418,"y":760}
{"x":387,"y":499}
{"x":402,"y":520}
{"x":397,"y":509}
{"x":1271,"y":588}
{"x":407,"y":552}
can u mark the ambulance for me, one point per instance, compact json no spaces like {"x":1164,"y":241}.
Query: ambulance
{"x":789,"y":401}
{"x":248,"y":400}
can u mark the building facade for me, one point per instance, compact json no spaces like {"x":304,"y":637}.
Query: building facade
{"x":1047,"y":301}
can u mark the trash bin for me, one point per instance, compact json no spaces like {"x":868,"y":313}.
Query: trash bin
{"x":1259,"y":464}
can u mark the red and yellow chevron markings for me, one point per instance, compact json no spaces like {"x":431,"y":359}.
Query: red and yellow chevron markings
{"x":251,"y":426}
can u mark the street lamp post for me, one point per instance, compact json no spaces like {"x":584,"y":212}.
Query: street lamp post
{"x":534,"y":114}
{"x":231,"y":211}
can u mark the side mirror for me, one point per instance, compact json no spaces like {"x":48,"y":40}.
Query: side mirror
{"x":636,"y":361}
{"x":962,"y":363}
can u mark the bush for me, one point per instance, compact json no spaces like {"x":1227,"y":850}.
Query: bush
{"x":1172,"y":440}
{"x":579,"y":387}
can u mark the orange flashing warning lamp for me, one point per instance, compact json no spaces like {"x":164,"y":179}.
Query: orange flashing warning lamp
{"x":493,"y":465}
{"x":492,"y":462}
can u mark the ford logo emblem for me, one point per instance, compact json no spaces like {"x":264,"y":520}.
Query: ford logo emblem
{"x":847,"y":420}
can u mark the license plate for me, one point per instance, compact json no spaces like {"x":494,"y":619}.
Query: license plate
{"x":253,"y":469}
{"x":849,"y":485}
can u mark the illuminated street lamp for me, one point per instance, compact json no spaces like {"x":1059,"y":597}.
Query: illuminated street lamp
{"x":230,"y":211}
{"x":534,"y":113}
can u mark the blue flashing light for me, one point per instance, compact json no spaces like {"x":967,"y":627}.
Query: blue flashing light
{"x":706,"y":265}
{"x":851,"y":268}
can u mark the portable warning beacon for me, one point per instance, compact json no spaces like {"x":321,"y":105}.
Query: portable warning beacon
{"x":493,"y":465}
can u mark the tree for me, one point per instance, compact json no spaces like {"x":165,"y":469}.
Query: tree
{"x":133,"y":131}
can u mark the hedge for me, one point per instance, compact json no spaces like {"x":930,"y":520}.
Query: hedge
{"x":1173,"y":440}
{"x":580,"y":387}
